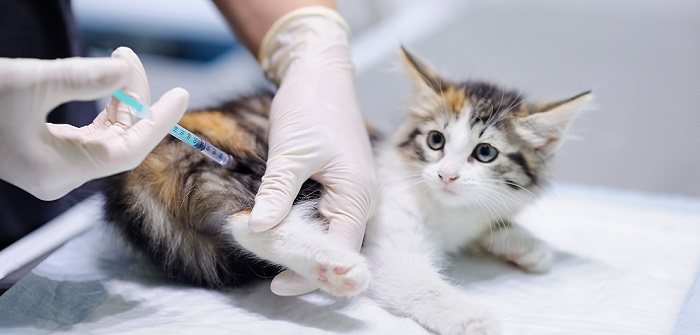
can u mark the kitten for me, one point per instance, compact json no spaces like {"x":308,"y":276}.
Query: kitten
{"x":465,"y":160}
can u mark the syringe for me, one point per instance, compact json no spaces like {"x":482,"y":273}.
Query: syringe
{"x":141,"y":111}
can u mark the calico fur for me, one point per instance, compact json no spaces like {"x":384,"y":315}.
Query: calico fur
{"x":442,"y":189}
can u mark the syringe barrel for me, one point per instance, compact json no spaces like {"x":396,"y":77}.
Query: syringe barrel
{"x":217,"y":155}
{"x":188,"y":137}
{"x":204,"y":147}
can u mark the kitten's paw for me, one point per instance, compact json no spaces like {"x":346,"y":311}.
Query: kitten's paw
{"x":450,"y":316}
{"x":518,"y":246}
{"x":537,"y":258}
{"x":342,"y":276}
{"x":475,"y":325}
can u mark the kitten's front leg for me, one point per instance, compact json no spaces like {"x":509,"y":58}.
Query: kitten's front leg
{"x":300,"y":244}
{"x":406,"y":283}
{"x":518,"y":246}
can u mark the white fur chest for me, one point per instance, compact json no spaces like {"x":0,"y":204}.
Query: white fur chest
{"x":452,"y":229}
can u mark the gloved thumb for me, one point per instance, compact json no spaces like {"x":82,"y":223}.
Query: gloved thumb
{"x":137,"y":82}
{"x":280,"y":186}
{"x":164,"y":114}
{"x":289,"y":283}
{"x":136,"y":86}
{"x":143,"y":136}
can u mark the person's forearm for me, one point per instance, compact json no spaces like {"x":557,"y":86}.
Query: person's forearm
{"x":251,"y":19}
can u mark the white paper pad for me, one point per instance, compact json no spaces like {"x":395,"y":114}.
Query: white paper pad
{"x":626,"y":264}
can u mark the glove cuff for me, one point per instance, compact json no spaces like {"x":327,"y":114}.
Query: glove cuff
{"x":293,"y":36}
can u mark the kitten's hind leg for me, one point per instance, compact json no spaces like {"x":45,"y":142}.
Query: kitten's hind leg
{"x":300,"y":244}
{"x":518,"y":246}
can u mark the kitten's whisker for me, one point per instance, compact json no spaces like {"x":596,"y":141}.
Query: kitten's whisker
{"x":495,"y":222}
{"x":410,"y":154}
{"x":502,"y":226}
{"x":488,"y":192}
{"x":517,"y":97}
{"x":415,"y":185}
{"x":396,"y":169}
{"x":511,"y":184}
{"x":405,"y":179}
{"x":495,"y":217}
{"x":493,"y":189}
{"x":521,"y":236}
{"x":401,"y":183}
{"x":479,"y":202}
{"x":504,"y":114}
{"x":503,"y":95}
{"x":493,"y":112}
{"x":495,"y":195}
{"x":398,"y":173}
{"x":508,"y":196}
{"x":496,"y":198}
{"x":532,"y":194}
{"x":401,"y":177}
{"x":501,"y":118}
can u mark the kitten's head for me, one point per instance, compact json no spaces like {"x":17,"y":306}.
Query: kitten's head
{"x":475,"y":143}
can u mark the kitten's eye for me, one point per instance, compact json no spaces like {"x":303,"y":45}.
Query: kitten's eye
{"x":436,"y":140}
{"x":485,"y":153}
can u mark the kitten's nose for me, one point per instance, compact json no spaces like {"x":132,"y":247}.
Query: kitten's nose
{"x":447,"y":177}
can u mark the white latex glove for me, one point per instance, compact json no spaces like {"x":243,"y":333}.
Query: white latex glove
{"x":317,"y":131}
{"x":49,"y":160}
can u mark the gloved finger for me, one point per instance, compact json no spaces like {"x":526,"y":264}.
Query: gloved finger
{"x":142,"y":137}
{"x":165,"y":113}
{"x":347,"y":210}
{"x":288,"y":283}
{"x":137,"y":82}
{"x":136,"y":86}
{"x":63,"y":80}
{"x":280,"y":186}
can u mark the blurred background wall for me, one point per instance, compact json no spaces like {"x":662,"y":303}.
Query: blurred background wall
{"x":641,"y":58}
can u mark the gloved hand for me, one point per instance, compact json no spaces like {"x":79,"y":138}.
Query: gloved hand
{"x":317,"y":131}
{"x":49,"y":160}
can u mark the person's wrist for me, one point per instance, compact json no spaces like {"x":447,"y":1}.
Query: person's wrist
{"x":314,"y":38}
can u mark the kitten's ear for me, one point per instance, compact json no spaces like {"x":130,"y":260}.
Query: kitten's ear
{"x":544,"y":128}
{"x":422,"y":75}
